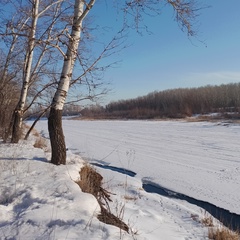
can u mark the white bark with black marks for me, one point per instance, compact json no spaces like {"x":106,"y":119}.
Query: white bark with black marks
{"x":36,"y":13}
{"x":81,"y":9}
{"x":18,"y":113}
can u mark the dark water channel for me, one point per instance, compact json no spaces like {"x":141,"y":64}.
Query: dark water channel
{"x":230,"y":220}
{"x":116,"y":169}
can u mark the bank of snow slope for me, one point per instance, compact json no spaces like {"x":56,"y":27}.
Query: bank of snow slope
{"x":41,"y":201}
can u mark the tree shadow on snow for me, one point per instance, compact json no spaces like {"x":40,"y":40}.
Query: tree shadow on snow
{"x":24,"y":159}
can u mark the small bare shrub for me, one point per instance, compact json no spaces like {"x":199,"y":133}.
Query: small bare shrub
{"x":207,"y":221}
{"x":40,"y":143}
{"x":35,"y":133}
{"x":195,"y":217}
{"x":218,"y":233}
{"x":222,"y":234}
{"x":107,"y":217}
{"x":91,"y":182}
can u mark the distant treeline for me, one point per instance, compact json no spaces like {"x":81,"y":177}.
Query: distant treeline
{"x":175,"y":103}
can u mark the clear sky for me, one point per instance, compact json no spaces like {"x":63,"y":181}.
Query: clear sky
{"x":167,"y":58}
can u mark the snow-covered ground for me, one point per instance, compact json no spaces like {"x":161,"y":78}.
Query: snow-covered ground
{"x":41,"y":201}
{"x":199,"y":159}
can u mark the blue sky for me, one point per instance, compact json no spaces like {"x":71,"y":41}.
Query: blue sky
{"x":167,"y":58}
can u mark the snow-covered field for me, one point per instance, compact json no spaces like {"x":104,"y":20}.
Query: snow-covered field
{"x":199,"y":159}
{"x":41,"y":201}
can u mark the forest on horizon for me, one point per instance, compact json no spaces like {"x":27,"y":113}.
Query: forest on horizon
{"x":173,"y":103}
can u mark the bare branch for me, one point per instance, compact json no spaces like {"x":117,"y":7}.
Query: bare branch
{"x":186,"y":13}
{"x":86,"y":11}
{"x":49,"y":6}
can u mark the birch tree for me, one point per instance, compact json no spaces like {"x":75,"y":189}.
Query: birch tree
{"x":185,"y":13}
{"x":18,"y":113}
{"x":81,"y":9}
{"x":29,"y":13}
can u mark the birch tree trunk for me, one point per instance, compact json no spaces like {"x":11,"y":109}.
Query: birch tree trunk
{"x":81,"y":9}
{"x":18,"y":113}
